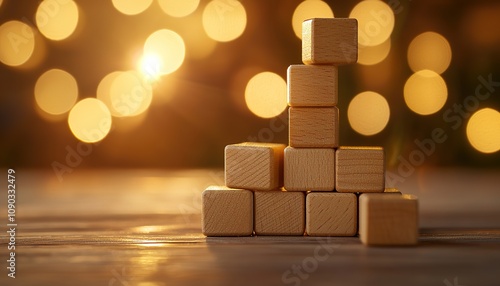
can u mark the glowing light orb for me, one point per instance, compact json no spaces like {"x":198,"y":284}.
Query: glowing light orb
{"x":425,"y":92}
{"x":89,"y":120}
{"x":265,"y":95}
{"x":224,"y":20}
{"x":17,"y":43}
{"x":368,"y":113}
{"x":483,"y":130}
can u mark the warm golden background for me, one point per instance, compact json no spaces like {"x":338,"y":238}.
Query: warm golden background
{"x":169,"y":83}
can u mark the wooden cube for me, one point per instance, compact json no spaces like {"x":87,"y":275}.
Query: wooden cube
{"x":332,"y":41}
{"x":313,"y":127}
{"x":309,"y":169}
{"x":226,"y":212}
{"x":254,"y":166}
{"x":388,"y":191}
{"x":279,"y":213}
{"x":359,"y":169}
{"x":388,"y":219}
{"x":331,"y":214}
{"x":312,"y":85}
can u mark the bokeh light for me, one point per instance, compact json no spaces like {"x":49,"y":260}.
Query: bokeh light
{"x":131,"y":7}
{"x":375,"y":22}
{"x":17,"y":43}
{"x":372,"y":55}
{"x":90,"y":120}
{"x":430,"y":51}
{"x":56,"y":91}
{"x":224,"y":20}
{"x":368,"y":113}
{"x":483,"y":130}
{"x":149,"y":65}
{"x":265,"y":95}
{"x":57,"y":20}
{"x":425,"y":92}
{"x":130,"y":94}
{"x":168,"y":49}
{"x":309,"y":9}
{"x":104,"y":91}
{"x":176,"y":8}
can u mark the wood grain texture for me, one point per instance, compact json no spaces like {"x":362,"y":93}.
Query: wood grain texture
{"x":331,"y":214}
{"x":227,"y":212}
{"x":254,"y":166}
{"x":312,"y":85}
{"x":313,"y":127}
{"x":388,"y":219}
{"x":309,"y":169}
{"x":331,"y":41}
{"x":359,"y":169}
{"x":387,"y":191}
{"x":279,"y":213}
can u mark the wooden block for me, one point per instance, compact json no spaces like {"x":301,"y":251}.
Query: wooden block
{"x":310,"y":85}
{"x":254,"y":166}
{"x":279,"y":213}
{"x":388,"y":191}
{"x":331,"y":41}
{"x":309,"y":169}
{"x":388,"y":219}
{"x":331,"y":214}
{"x":359,"y":169}
{"x":226,"y":212}
{"x":313,"y":127}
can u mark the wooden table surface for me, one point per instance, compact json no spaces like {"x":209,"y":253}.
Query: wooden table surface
{"x":142,"y":227}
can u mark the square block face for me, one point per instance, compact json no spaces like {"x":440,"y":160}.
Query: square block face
{"x":388,"y":219}
{"x":309,"y":169}
{"x":226,"y":212}
{"x":254,"y":166}
{"x":279,"y":213}
{"x":310,"y":85}
{"x":332,"y":41}
{"x":359,"y":169}
{"x":331,"y":214}
{"x":313,"y":127}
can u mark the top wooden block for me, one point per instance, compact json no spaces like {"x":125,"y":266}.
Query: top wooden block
{"x":332,"y":41}
{"x":254,"y":166}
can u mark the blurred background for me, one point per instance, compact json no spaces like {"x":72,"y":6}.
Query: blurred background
{"x":169,"y":83}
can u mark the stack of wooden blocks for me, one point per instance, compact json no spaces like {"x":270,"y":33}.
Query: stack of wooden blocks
{"x":313,"y":186}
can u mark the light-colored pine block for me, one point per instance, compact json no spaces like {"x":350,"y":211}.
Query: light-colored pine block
{"x":279,"y":213}
{"x":313,"y":127}
{"x":309,"y":169}
{"x":312,"y":85}
{"x":359,"y":169}
{"x":387,"y":191}
{"x":254,"y":166}
{"x":331,"y":41}
{"x":388,"y":219}
{"x":331,"y":214}
{"x":227,"y":212}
